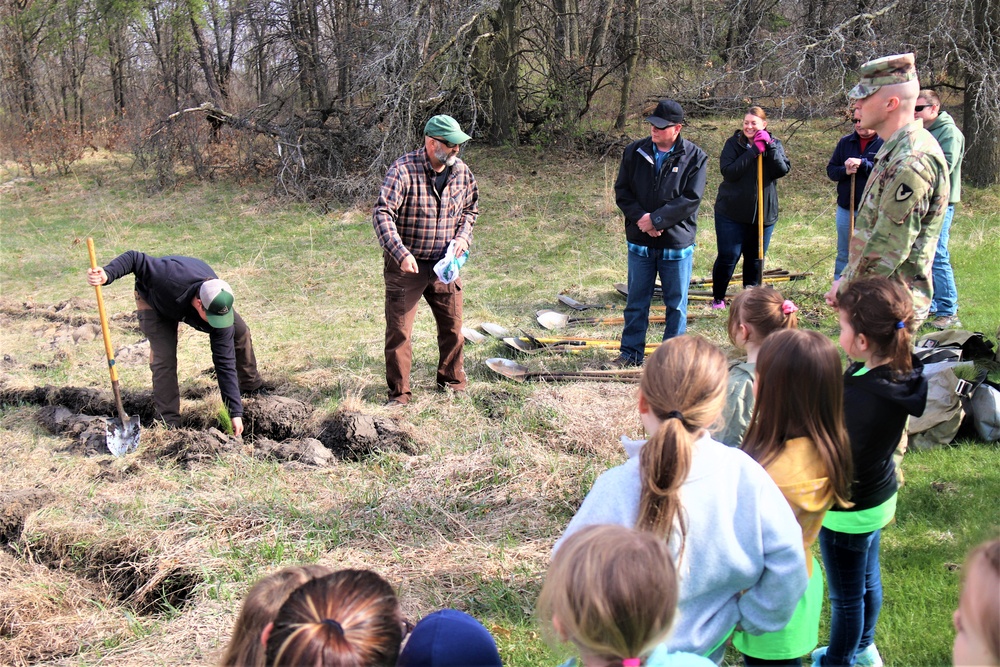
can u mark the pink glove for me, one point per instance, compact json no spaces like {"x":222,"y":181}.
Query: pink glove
{"x":761,"y":140}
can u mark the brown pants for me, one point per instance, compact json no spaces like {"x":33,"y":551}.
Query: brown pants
{"x":162,"y":336}
{"x":402,"y":294}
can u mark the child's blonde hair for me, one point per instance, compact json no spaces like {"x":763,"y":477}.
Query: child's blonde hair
{"x":984,"y":561}
{"x":764,"y":310}
{"x":684,"y":385}
{"x":260,"y":606}
{"x":612,"y":591}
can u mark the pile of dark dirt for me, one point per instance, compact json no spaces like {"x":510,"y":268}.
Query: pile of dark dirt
{"x":87,"y":433}
{"x":308,"y":452}
{"x":278,"y":427}
{"x":187,"y":446}
{"x":74,"y":312}
{"x":275,"y":417}
{"x":357,"y":436}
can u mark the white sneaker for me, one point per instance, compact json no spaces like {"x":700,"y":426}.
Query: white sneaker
{"x":867,"y":658}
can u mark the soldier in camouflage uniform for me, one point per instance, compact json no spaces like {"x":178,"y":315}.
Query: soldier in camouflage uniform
{"x":902,"y":209}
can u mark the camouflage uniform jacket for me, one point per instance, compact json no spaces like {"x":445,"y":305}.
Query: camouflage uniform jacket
{"x":899,"y":219}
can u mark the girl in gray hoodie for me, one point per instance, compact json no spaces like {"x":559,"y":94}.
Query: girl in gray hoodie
{"x":735,"y":540}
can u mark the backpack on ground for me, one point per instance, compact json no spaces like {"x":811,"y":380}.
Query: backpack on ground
{"x":953,"y":382}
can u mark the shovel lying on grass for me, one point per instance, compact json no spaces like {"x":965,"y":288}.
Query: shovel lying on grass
{"x":515,"y":371}
{"x":494,"y":330}
{"x":122,"y":434}
{"x":532,"y":345}
{"x":550,"y":319}
{"x":472,"y":336}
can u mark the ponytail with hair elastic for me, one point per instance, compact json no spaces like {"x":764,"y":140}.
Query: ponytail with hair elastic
{"x":882,"y":310}
{"x":684,"y":385}
{"x":763,"y":310}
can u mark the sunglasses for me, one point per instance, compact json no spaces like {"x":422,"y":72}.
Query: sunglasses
{"x":921,"y":107}
{"x":446,"y":143}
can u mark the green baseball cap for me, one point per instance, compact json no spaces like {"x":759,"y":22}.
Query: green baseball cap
{"x":884,"y":72}
{"x":217,"y":297}
{"x":446,"y":128}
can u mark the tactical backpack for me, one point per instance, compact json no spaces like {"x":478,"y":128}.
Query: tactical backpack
{"x":946,"y":355}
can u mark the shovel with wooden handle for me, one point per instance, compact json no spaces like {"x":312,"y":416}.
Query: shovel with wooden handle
{"x":515,"y":371}
{"x":121,"y":434}
{"x":851,"y":234}
{"x":549,"y":319}
{"x":758,"y":269}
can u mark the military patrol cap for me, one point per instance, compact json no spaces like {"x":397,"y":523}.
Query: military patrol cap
{"x":884,"y":72}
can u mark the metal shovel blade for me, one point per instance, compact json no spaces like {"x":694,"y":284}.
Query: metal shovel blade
{"x":549,"y":319}
{"x":122,"y":438}
{"x":472,"y":336}
{"x":508,"y":368}
{"x":494,"y":330}
{"x":521,"y":345}
{"x":573,"y":303}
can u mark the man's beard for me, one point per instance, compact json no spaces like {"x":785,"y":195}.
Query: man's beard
{"x":445,"y":158}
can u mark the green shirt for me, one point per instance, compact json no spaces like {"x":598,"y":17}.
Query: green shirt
{"x":862,"y":521}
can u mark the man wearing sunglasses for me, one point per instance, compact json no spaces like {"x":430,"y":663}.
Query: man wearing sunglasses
{"x":944,"y":307}
{"x":899,"y":219}
{"x":853,"y":159}
{"x":429,"y":198}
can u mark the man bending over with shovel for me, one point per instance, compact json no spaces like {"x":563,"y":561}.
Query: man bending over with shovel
{"x":659,"y":188}
{"x":170,"y":290}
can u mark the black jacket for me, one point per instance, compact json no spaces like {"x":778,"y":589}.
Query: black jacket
{"x":850,"y":146}
{"x":671,"y":197}
{"x":168,"y":284}
{"x":737,"y":198}
{"x":876,"y":406}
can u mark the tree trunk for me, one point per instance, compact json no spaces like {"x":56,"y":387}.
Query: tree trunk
{"x":982,"y":118}
{"x":633,"y":42}
{"x":501,"y":73}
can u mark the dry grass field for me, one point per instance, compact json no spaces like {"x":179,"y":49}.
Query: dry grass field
{"x":144,"y":560}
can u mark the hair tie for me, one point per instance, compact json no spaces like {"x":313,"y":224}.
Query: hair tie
{"x":333,"y":624}
{"x":787,"y":307}
{"x":674,"y":414}
{"x":631,"y":662}
{"x":901,"y":324}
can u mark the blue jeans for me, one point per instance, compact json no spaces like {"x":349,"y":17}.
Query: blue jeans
{"x":843,"y":241}
{"x":734,"y":239}
{"x":644,"y":264}
{"x":854,"y":582}
{"x":945,"y":300}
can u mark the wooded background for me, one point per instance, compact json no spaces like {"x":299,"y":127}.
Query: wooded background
{"x":322,"y":95}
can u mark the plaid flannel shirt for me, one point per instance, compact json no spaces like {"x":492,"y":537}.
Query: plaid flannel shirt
{"x":410,"y":218}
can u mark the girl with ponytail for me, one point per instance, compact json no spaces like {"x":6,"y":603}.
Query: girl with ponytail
{"x":754,"y":314}
{"x":350,"y":618}
{"x":882,"y":387}
{"x":735,"y":541}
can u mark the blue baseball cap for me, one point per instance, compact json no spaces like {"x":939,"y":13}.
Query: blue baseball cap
{"x":449,"y":638}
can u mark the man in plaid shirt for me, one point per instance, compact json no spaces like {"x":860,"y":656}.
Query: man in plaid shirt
{"x":429,"y":198}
